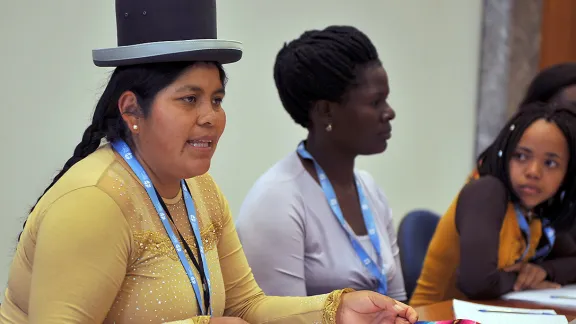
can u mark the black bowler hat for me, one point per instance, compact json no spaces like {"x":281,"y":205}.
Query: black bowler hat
{"x":157,"y":31}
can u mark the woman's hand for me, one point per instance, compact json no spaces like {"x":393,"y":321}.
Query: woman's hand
{"x":370,"y":307}
{"x":530,"y":276}
{"x":227,"y":320}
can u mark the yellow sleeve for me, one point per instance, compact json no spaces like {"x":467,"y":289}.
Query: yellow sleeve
{"x":245,"y":299}
{"x":81,"y":256}
{"x":193,"y":320}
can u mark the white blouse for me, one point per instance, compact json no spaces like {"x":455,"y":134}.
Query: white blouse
{"x":296,"y":246}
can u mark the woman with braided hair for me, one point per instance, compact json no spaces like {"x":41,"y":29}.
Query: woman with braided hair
{"x":330,"y":225}
{"x":503,"y":232}
{"x":135,"y":230}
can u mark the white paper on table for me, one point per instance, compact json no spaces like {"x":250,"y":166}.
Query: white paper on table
{"x":547,"y":296}
{"x":472,"y":311}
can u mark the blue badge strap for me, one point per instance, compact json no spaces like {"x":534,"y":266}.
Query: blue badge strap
{"x":368,"y":218}
{"x":523,"y":224}
{"x":330,"y":195}
{"x":124,"y":150}
{"x":548,"y":231}
{"x":196,"y":228}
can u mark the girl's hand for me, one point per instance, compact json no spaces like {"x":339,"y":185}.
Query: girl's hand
{"x":530,"y":276}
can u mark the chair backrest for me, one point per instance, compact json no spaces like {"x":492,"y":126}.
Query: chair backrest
{"x":414,"y":235}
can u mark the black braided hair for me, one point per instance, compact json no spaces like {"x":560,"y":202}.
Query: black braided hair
{"x":550,"y":82}
{"x":145,"y":81}
{"x":495,"y":159}
{"x":320,"y":65}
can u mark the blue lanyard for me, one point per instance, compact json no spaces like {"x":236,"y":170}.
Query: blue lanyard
{"x":378,"y":273}
{"x":548,"y":231}
{"x":124,"y":150}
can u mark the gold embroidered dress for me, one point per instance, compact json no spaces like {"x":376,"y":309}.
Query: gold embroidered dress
{"x":95,"y":251}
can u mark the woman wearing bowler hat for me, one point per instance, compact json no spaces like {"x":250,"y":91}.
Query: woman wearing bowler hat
{"x":135,"y":230}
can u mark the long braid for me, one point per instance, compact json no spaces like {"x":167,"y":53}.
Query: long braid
{"x":90,"y":142}
{"x":92,"y":136}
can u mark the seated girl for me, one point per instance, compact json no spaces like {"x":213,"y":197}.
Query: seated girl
{"x":503,"y":231}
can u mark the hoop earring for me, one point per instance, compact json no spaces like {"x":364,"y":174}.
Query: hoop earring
{"x":329,"y":128}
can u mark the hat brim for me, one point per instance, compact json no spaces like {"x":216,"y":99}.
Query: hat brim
{"x":214,"y":50}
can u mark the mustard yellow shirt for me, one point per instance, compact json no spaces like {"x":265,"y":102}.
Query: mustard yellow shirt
{"x":444,"y":272}
{"x":94,"y":251}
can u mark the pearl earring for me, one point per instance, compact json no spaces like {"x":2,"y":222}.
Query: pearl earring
{"x":329,"y":128}
{"x":135,"y":127}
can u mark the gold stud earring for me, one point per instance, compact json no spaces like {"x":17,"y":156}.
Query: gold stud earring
{"x":135,"y":127}
{"x":329,"y":128}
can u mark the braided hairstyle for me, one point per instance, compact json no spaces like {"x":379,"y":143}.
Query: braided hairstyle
{"x":495,"y":160}
{"x":320,"y":65}
{"x":145,"y":81}
{"x":549,"y":82}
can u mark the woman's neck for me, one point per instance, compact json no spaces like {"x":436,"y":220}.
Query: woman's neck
{"x":166,"y":186}
{"x":338,"y":166}
{"x":528,"y":212}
